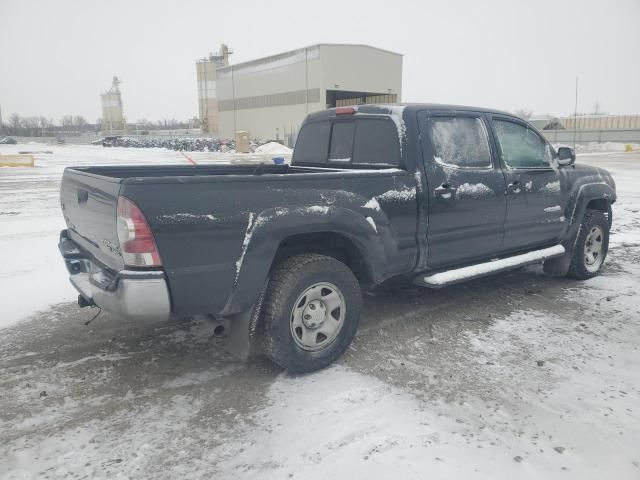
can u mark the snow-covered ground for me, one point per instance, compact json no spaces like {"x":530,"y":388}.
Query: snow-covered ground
{"x":516,"y":375}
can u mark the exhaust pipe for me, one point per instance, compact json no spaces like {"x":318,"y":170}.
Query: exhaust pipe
{"x":220,"y":331}
{"x":220,"y":326}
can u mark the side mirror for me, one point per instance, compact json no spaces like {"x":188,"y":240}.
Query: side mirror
{"x":566,"y":156}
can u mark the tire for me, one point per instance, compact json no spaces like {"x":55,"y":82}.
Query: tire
{"x":591,"y":247}
{"x":311,"y":312}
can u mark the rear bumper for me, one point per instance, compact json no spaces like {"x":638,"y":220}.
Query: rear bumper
{"x":128,"y":293}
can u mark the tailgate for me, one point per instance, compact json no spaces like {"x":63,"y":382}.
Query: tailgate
{"x":89,"y":204}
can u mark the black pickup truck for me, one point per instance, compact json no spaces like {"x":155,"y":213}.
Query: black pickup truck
{"x":277,"y":254}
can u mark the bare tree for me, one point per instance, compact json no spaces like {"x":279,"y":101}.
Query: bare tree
{"x":31,"y":125}
{"x":15,"y":121}
{"x":597,"y":109}
{"x":524,"y":113}
{"x":45,"y":123}
{"x":80,"y":122}
{"x":66,"y":122}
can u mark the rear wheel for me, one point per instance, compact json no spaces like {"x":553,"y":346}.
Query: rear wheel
{"x":311,"y":312}
{"x":591,"y":246}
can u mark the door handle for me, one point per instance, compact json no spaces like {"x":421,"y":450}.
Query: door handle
{"x":444,"y":191}
{"x":514,"y":187}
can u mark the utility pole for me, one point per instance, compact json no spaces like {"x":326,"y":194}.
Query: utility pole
{"x":1,"y":124}
{"x":575,"y":117}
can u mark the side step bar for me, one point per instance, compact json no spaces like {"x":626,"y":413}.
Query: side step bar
{"x":449,"y":277}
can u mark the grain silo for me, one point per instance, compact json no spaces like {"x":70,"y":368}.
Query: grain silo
{"x":207,"y":97}
{"x":113,"y":120}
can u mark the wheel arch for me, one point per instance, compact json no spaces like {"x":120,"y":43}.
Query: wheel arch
{"x":590,"y":196}
{"x":274,"y":236}
{"x":332,"y":244}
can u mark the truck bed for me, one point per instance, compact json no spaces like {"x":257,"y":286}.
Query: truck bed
{"x":217,"y":227}
{"x":140,"y":173}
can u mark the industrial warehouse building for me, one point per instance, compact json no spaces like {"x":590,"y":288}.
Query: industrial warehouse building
{"x":270,"y":97}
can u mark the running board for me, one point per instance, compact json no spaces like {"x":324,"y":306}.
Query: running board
{"x":449,"y":277}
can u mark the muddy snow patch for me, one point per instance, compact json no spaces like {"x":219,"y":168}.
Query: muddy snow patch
{"x":387,"y":433}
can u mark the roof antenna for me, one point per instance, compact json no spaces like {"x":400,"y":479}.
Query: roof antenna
{"x":575,"y":117}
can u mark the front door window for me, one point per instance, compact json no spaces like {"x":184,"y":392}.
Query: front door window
{"x":520,"y":146}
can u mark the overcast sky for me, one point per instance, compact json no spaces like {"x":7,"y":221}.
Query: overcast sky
{"x":57,"y":56}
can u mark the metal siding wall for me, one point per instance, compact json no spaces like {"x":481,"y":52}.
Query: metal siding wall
{"x":267,"y":91}
{"x":270,"y":98}
{"x":602,"y":122}
{"x":630,"y":135}
{"x":361,"y":69}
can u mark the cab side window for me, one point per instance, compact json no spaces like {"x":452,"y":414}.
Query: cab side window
{"x":520,"y":146}
{"x":460,"y":141}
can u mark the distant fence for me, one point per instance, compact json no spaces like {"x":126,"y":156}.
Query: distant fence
{"x":622,"y":135}
{"x":77,"y":140}
{"x":86,"y":139}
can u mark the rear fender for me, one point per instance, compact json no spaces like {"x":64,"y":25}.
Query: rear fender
{"x":271,"y":227}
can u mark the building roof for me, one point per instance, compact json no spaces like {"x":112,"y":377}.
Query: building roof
{"x":400,"y":109}
{"x":291,"y":53}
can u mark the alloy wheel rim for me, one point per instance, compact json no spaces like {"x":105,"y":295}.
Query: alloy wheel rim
{"x":317,"y":316}
{"x":593,"y":249}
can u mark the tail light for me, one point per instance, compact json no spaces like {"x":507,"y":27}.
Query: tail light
{"x":137,"y":244}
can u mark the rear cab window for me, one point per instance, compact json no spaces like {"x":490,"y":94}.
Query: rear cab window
{"x":312,"y":144}
{"x":341,"y":148}
{"x":353,"y":142}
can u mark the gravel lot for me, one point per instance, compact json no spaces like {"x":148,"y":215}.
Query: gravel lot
{"x":512,"y":375}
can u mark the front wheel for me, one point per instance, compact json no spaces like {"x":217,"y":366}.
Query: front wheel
{"x":592,"y":245}
{"x":311,"y":312}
